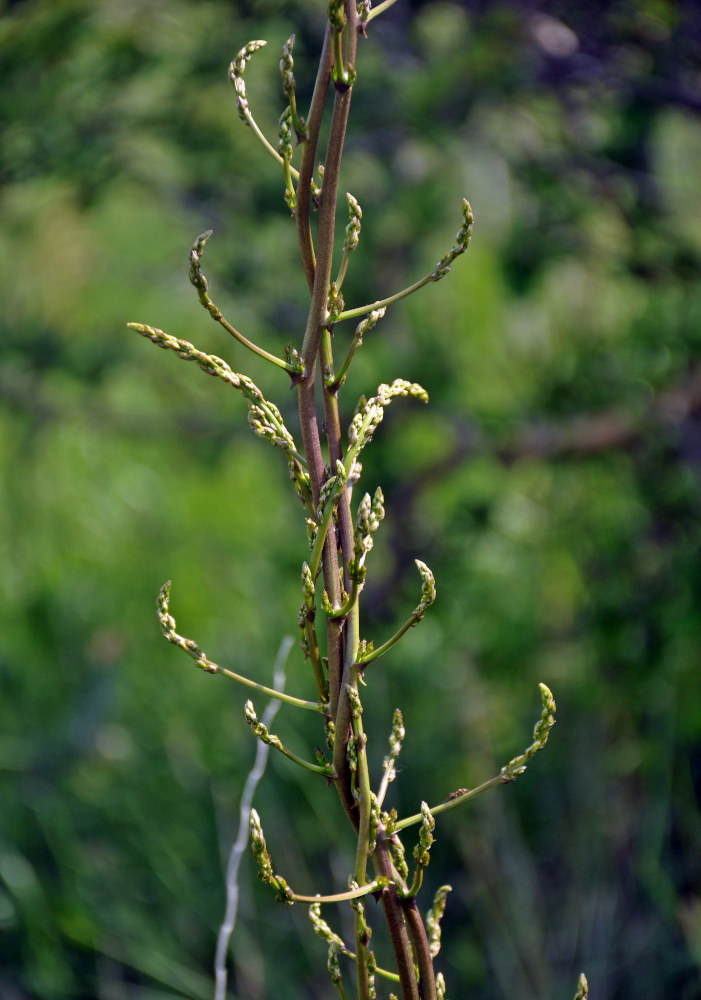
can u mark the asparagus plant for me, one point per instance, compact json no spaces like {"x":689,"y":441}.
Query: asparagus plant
{"x":324,"y":469}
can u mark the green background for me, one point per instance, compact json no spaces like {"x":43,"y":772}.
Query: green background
{"x":552,"y":485}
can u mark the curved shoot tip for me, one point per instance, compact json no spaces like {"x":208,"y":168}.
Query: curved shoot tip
{"x":541,"y":732}
{"x":582,"y":988}
{"x":428,"y":588}
{"x":199,"y":241}
{"x":547,"y":698}
{"x":462,"y":242}
{"x":237,"y":65}
{"x":163,"y":599}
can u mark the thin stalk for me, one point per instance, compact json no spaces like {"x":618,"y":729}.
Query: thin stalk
{"x":375,"y":653}
{"x":198,"y":280}
{"x":381,"y":7}
{"x":416,"y":884}
{"x":364,"y":798}
{"x":189,"y":646}
{"x":238,"y":847}
{"x":315,"y":768}
{"x":382,"y":303}
{"x":262,"y":733}
{"x":343,"y":712}
{"x":337,"y":380}
{"x":245,"y":342}
{"x":452,"y":803}
{"x":313,"y":706}
{"x":315,"y":660}
{"x":349,"y":602}
{"x":289,"y":185}
{"x":361,"y":857}
{"x":269,"y":148}
{"x":343,"y":897}
{"x":320,"y":539}
{"x":341,"y":276}
{"x":341,"y":992}
{"x":384,"y":973}
{"x":315,"y":464}
{"x":342,"y":949}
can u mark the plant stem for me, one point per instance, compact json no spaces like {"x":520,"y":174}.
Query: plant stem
{"x":315,"y":660}
{"x":375,"y":653}
{"x":342,"y":897}
{"x":452,"y":803}
{"x":381,"y":7}
{"x":333,"y":437}
{"x":382,"y":303}
{"x":306,"y":169}
{"x":395,"y":922}
{"x":313,"y":706}
{"x":361,"y":857}
{"x":312,"y":338}
{"x":422,"y":951}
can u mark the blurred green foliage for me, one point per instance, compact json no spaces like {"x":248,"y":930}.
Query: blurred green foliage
{"x":552,"y":486}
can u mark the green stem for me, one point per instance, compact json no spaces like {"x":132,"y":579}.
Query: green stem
{"x":416,"y":883}
{"x":342,"y":897}
{"x":321,"y":532}
{"x":315,"y":659}
{"x":341,"y":276}
{"x":267,"y":146}
{"x":289,"y":186}
{"x":341,"y":992}
{"x":340,"y":375}
{"x":288,"y":699}
{"x":315,"y":463}
{"x":381,"y":7}
{"x":200,"y":284}
{"x":452,"y":803}
{"x":361,"y":856}
{"x":343,"y":717}
{"x":189,"y":646}
{"x":381,"y":303}
{"x":348,"y":604}
{"x":340,"y":71}
{"x":375,"y":653}
{"x":316,"y":768}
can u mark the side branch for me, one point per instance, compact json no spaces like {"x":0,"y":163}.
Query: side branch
{"x":462,"y":241}
{"x":190,"y":647}
{"x":260,"y":730}
{"x":509,"y":772}
{"x":198,"y":280}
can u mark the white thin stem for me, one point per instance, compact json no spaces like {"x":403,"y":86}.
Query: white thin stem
{"x":239,"y":845}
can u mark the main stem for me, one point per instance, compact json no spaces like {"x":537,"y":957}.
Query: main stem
{"x":342,"y":634}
